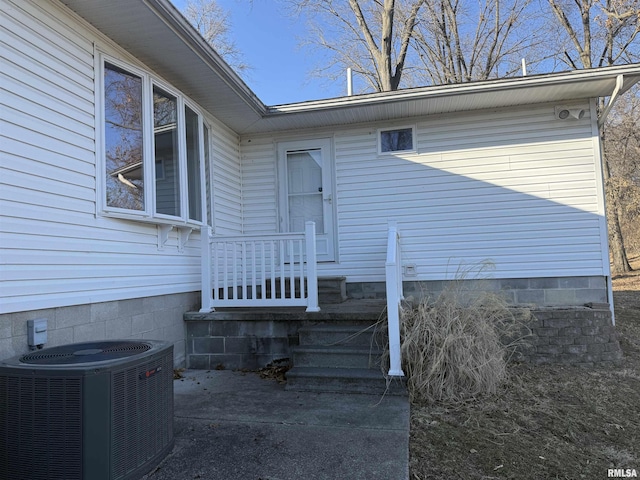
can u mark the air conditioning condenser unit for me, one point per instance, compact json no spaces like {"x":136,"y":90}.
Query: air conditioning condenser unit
{"x":86,"y":411}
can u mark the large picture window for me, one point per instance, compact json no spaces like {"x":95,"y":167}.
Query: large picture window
{"x":153,"y":156}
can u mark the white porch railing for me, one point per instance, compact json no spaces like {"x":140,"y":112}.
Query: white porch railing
{"x":393,"y":268}
{"x":275,"y":270}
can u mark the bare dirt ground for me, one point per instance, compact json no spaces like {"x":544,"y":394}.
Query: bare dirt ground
{"x":547,"y":422}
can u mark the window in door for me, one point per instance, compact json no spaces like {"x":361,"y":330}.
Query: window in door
{"x":305,"y":190}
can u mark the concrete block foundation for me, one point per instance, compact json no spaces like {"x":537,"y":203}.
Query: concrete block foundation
{"x":155,"y":318}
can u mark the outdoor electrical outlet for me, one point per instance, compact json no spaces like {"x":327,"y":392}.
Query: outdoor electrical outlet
{"x":410,"y":270}
{"x":37,"y":332}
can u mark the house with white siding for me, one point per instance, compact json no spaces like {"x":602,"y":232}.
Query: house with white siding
{"x":141,"y":179}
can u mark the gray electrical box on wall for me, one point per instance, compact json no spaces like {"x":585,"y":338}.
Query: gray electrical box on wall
{"x":37,"y":332}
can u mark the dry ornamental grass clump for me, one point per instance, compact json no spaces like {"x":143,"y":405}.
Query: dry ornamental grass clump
{"x":457,"y":347}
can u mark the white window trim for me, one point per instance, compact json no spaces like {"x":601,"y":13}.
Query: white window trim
{"x":101,"y":179}
{"x":148,"y":215}
{"x":203,"y":199}
{"x":208,"y":216}
{"x":180,"y":120}
{"x":397,"y":152}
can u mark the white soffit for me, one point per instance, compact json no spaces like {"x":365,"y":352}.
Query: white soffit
{"x":156,"y":33}
{"x":557,"y":87}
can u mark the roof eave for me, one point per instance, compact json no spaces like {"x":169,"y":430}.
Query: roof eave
{"x":443,"y":99}
{"x":174,"y":49}
{"x":631,"y":75}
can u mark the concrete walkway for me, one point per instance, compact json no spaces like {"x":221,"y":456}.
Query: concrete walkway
{"x":237,"y":426}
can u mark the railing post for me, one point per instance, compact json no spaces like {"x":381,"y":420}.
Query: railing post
{"x":312,"y":267}
{"x":205,"y":270}
{"x":394,"y":295}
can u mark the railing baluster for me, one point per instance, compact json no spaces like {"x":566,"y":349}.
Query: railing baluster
{"x":283,"y":288}
{"x":253,"y":271}
{"x":273,"y":270}
{"x":292,"y":278}
{"x":225,"y":277}
{"x":303,"y":292}
{"x":234,"y":251}
{"x":263,"y":276}
{"x":216,"y":272}
{"x":243,"y":269}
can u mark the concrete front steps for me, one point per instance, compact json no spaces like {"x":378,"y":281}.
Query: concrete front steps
{"x":340,"y":358}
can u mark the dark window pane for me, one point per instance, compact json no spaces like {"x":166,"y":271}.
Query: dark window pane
{"x":123,"y":139}
{"x":193,"y":164}
{"x":165,"y":113}
{"x":396,"y":140}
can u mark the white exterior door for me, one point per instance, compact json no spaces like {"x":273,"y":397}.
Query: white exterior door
{"x":306,"y":191}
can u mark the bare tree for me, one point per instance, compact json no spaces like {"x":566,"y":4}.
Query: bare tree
{"x":213,"y":23}
{"x":460,"y":42}
{"x":622,"y":150}
{"x":602,"y":33}
{"x":371,"y":37}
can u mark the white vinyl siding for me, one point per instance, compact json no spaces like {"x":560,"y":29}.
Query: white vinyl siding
{"x":227,"y":192}
{"x":259,"y":187}
{"x":515,"y":186}
{"x":55,"y":250}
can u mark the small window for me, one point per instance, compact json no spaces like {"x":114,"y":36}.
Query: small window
{"x":397,"y":140}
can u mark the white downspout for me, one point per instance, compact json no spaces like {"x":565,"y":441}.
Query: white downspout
{"x":603,"y":117}
{"x":612,"y":100}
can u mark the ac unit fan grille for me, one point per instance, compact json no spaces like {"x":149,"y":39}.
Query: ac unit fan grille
{"x":85,"y":352}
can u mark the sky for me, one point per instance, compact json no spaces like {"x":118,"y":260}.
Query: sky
{"x":268,"y":39}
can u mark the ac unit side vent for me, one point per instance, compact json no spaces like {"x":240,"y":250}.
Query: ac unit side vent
{"x":43,"y":437}
{"x":140,"y":393}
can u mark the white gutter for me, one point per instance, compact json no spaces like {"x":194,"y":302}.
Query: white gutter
{"x":553,"y":79}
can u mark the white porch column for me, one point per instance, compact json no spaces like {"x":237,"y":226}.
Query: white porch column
{"x":205,"y":270}
{"x":394,"y":295}
{"x":312,"y":267}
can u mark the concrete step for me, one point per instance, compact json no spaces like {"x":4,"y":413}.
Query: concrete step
{"x":334,"y":334}
{"x":332,"y":290}
{"x":341,"y":357}
{"x":342,"y":380}
{"x":336,"y":356}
